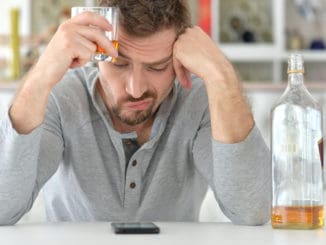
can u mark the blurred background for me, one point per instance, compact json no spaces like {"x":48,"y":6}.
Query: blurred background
{"x":257,"y":36}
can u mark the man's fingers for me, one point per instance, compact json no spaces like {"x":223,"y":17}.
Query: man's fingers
{"x":84,"y":53}
{"x":98,"y":37}
{"x":93,"y":27}
{"x":182,"y":74}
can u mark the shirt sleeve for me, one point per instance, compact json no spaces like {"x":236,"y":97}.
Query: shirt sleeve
{"x":239,"y":175}
{"x":27,"y":161}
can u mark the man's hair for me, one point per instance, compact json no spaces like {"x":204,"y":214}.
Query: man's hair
{"x":145,"y":17}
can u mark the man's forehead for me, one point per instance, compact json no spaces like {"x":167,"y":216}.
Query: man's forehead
{"x":151,"y":60}
{"x":161,"y":41}
{"x":162,"y":33}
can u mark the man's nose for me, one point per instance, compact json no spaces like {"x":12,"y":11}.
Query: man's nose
{"x":136,"y":84}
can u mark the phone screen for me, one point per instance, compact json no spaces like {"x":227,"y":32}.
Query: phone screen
{"x":135,"y":228}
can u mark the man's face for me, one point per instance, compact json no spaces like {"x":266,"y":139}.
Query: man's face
{"x":140,"y":79}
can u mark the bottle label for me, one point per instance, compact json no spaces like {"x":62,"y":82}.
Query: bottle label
{"x":297,"y":134}
{"x":289,"y":148}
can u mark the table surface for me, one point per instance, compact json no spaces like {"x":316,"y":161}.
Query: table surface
{"x":171,"y":233}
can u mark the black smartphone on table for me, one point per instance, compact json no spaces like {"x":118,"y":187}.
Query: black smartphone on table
{"x":135,"y":228}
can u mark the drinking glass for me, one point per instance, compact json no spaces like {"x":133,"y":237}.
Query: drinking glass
{"x":112,"y":15}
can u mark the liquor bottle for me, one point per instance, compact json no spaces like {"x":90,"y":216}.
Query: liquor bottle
{"x":296,"y":155}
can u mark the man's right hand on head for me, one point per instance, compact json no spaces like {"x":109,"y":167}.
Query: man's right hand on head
{"x":73,"y":45}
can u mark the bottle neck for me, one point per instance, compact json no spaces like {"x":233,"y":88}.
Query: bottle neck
{"x":295,"y":79}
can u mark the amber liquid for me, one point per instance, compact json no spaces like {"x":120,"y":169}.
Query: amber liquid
{"x":298,"y":217}
{"x":100,"y":50}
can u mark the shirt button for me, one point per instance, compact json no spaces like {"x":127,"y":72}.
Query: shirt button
{"x":128,"y":142}
{"x":132,"y":185}
{"x":134,"y":163}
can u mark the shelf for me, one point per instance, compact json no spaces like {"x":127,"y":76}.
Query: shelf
{"x":249,"y":52}
{"x":261,"y":60}
{"x":309,"y":55}
{"x":254,"y":86}
{"x":8,"y":86}
{"x":264,"y":52}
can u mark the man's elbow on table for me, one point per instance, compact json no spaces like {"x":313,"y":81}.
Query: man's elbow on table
{"x":254,"y":220}
{"x":255,"y":215}
{"x":9,"y":217}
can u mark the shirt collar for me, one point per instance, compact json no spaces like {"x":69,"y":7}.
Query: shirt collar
{"x":161,"y":116}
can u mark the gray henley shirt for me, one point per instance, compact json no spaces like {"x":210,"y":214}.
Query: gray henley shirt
{"x":90,"y":172}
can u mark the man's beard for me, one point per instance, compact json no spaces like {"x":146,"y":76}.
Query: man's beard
{"x":138,"y":116}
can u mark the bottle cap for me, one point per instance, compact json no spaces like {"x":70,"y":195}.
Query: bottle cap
{"x":295,"y":63}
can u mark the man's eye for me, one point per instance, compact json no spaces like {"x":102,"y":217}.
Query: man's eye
{"x":117,"y":64}
{"x":157,"y":69}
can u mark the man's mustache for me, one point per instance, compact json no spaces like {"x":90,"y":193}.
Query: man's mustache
{"x":146,"y":95}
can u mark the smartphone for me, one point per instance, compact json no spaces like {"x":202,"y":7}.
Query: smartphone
{"x":135,"y":228}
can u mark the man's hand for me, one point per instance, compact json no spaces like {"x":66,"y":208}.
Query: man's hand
{"x":72,"y":46}
{"x":195,"y":52}
{"x":74,"y":43}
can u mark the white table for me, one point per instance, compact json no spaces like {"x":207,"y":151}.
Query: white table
{"x":171,"y":233}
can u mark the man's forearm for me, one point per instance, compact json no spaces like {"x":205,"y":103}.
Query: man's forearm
{"x":28,"y":107}
{"x":231,"y":117}
{"x":18,"y":171}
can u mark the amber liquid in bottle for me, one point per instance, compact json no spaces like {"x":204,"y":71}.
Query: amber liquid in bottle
{"x":298,"y":217}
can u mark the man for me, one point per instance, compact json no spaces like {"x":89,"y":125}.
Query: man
{"x":126,"y":142}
